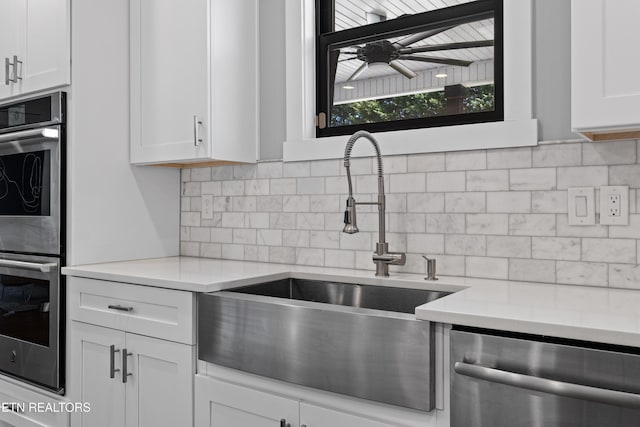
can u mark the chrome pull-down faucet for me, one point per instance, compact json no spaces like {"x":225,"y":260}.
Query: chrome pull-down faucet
{"x":381,"y":257}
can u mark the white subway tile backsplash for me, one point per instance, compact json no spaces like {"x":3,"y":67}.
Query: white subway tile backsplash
{"x":625,"y":175}
{"x":532,"y":179}
{"x":426,"y":163}
{"x":307,"y":256}
{"x":212,"y":187}
{"x":339,"y":258}
{"x":532,"y":224}
{"x":557,"y":155}
{"x":609,"y":250}
{"x":489,"y":180}
{"x":532,"y":270}
{"x":295,"y":204}
{"x":465,"y":160}
{"x":425,"y":202}
{"x":513,"y":158}
{"x":465,"y":202}
{"x":296,"y":238}
{"x":487,"y":213}
{"x":487,"y":267}
{"x":283,"y":186}
{"x":581,"y":273}
{"x":487,"y":224}
{"x":255,"y":187}
{"x":408,"y":183}
{"x":549,"y":202}
{"x":624,"y":276}
{"x":439,"y":182}
{"x":325,"y":239}
{"x":201,"y":174}
{"x":244,"y":236}
{"x":464,"y":244}
{"x":509,"y":246}
{"x":586,"y":176}
{"x":509,"y":202}
{"x":425,"y":243}
{"x":233,"y":188}
{"x":560,"y":248}
{"x":296,"y":169}
{"x":609,"y":153}
{"x":270,"y":170}
{"x":269,"y":237}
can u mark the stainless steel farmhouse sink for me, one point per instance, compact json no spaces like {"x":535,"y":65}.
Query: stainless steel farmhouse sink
{"x":357,"y":340}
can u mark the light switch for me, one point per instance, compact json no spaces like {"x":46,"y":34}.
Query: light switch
{"x":581,"y":206}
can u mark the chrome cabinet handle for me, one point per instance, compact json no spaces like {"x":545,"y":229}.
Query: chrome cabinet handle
{"x":125,"y":374}
{"x":7,"y":67}
{"x":16,"y":77}
{"x":560,"y":388}
{"x":196,"y":131}
{"x":112,"y":362}
{"x":119,"y":307}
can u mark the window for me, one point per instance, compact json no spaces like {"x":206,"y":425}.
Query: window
{"x":409,"y":66}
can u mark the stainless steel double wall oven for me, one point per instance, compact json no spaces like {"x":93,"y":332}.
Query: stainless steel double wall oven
{"x":32,"y":249}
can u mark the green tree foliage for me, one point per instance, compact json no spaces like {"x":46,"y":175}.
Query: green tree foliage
{"x":479,"y":98}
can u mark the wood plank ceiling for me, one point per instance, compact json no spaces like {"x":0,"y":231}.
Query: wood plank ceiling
{"x":352,"y":13}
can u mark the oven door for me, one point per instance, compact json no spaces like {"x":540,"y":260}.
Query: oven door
{"x":30,"y":191}
{"x":30,"y":318}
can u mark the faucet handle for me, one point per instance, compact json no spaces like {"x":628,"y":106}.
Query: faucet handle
{"x":431,"y":268}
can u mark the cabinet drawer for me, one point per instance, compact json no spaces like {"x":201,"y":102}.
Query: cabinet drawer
{"x":25,"y":407}
{"x":156,"y":312}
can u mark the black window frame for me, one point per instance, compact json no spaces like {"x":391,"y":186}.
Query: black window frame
{"x":466,"y":12}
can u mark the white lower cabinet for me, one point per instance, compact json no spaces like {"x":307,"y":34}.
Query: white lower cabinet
{"x":152,"y":385}
{"x":131,"y":354}
{"x":224,"y":404}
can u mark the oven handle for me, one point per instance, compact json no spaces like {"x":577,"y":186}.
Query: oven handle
{"x":34,"y":266}
{"x":31,"y":133}
{"x":560,"y":388}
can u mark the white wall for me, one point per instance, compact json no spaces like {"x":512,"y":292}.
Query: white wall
{"x":115,"y":211}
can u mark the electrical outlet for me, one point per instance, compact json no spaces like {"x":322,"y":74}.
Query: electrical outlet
{"x":207,"y":206}
{"x":614,"y":205}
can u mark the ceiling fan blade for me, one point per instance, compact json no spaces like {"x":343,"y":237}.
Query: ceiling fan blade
{"x":348,"y":59}
{"x":446,"y":61}
{"x":357,"y":72}
{"x":446,"y":46}
{"x":402,"y":69}
{"x":414,"y":38}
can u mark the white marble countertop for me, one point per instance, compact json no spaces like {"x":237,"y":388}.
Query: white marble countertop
{"x":577,"y":312}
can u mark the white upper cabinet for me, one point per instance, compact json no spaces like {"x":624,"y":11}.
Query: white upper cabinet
{"x":605,"y":89}
{"x":35,"y":45}
{"x":194,"y":92}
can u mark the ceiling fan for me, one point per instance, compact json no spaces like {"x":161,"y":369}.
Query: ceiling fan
{"x":389,"y":54}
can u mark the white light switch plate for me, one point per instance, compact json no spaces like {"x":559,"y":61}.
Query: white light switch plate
{"x":581,"y":206}
{"x":614,"y":205}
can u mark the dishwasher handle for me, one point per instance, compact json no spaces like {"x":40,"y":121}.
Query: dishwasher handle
{"x":559,"y":388}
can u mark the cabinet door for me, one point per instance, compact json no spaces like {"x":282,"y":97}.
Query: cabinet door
{"x":222,"y":404}
{"x":11,"y":23}
{"x":90,"y":375}
{"x":605,"y":63}
{"x":169,"y":84}
{"x":317,"y":416}
{"x":159,"y":391}
{"x":45,"y":45}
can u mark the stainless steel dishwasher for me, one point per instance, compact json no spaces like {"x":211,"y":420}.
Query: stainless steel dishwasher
{"x":507,"y":380}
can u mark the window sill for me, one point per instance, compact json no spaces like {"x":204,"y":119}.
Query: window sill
{"x":512,"y":133}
